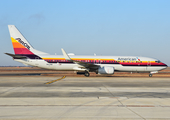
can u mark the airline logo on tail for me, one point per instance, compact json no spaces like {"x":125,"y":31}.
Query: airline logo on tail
{"x":20,"y":47}
{"x":24,"y":44}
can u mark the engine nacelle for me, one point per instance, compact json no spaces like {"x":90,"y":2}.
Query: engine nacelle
{"x":106,"y":70}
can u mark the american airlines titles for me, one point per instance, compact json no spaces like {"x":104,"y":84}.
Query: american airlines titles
{"x":24,"y":44}
{"x":127,"y":59}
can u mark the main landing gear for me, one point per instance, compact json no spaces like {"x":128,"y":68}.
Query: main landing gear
{"x":87,"y":74}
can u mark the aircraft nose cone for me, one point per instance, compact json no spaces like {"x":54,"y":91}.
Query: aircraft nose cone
{"x":165,"y":65}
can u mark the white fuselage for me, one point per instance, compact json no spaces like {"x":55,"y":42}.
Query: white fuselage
{"x":125,"y":63}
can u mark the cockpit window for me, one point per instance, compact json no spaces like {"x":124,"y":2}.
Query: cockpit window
{"x":158,"y":61}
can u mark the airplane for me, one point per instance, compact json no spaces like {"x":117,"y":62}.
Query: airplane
{"x":26,"y":54}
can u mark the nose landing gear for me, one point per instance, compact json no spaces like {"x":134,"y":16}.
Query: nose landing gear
{"x":150,"y":75}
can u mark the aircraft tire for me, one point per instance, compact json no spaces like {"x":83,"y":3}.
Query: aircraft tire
{"x":150,"y":75}
{"x":87,"y":74}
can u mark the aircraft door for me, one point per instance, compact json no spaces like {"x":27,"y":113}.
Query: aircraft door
{"x":149,"y":64}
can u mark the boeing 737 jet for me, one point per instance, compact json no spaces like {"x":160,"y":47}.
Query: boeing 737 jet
{"x":27,"y":55}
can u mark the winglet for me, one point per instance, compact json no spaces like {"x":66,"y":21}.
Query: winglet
{"x":83,"y":66}
{"x":65,"y":55}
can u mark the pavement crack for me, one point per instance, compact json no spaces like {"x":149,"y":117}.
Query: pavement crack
{"x":135,"y":113}
{"x":1,"y":94}
{"x":113,"y":95}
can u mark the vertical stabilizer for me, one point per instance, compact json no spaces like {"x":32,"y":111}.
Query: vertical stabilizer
{"x":20,"y":44}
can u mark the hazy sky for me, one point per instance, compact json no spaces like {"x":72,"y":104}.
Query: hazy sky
{"x":85,"y":27}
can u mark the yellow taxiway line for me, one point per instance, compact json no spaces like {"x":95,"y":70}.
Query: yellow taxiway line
{"x":55,"y":80}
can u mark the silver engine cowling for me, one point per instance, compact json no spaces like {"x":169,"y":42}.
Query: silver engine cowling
{"x":106,"y":70}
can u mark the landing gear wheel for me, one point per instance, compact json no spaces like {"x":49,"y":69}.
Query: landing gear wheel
{"x":150,"y":75}
{"x":87,"y":74}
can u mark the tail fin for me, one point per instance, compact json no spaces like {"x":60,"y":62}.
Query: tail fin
{"x":20,"y":44}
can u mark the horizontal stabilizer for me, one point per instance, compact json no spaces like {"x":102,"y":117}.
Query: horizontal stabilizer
{"x":16,"y":56}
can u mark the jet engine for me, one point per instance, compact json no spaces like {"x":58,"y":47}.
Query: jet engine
{"x":106,"y":70}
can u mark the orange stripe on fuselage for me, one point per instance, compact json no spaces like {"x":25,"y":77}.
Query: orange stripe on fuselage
{"x":80,"y":59}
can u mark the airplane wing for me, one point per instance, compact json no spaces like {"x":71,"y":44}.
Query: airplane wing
{"x":82,"y":64}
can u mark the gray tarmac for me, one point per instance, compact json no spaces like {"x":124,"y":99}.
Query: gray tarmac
{"x":122,"y":98}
